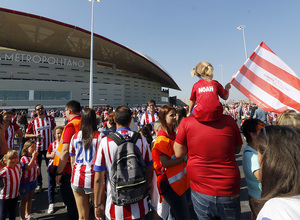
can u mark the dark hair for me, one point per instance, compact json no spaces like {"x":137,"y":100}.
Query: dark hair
{"x":38,"y":105}
{"x":111,"y":119}
{"x":146,"y":132}
{"x":22,"y":120}
{"x":123,"y":115}
{"x":250,"y":126}
{"x":163,"y":111}
{"x":150,"y":101}
{"x":181,"y":112}
{"x":279,"y":147}
{"x":74,"y":106}
{"x":88,"y":126}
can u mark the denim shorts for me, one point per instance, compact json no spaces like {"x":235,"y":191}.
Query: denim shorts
{"x":216,"y":207}
{"x":81,"y":189}
{"x":25,"y":188}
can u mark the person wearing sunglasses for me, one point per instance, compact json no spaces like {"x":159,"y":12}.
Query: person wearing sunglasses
{"x":40,"y":130}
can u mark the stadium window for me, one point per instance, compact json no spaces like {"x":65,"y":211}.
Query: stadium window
{"x":52,"y":95}
{"x":14,"y":95}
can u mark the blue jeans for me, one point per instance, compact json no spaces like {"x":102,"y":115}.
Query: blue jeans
{"x":216,"y":207}
{"x":51,"y":184}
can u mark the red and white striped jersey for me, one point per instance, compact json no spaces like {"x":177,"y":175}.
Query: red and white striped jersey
{"x":28,"y":175}
{"x":43,"y":127}
{"x":11,"y":179}
{"x":233,"y":113}
{"x":52,"y":148}
{"x":10,"y":134}
{"x":147,"y":118}
{"x":104,"y":158}
{"x":82,"y":172}
{"x":245,"y":111}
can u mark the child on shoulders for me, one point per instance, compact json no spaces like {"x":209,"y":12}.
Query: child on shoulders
{"x":204,"y":100}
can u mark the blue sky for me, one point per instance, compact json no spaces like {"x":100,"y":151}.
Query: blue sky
{"x":179,"y":34}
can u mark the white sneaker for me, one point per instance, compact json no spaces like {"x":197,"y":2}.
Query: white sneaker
{"x":51,"y":208}
{"x":30,"y":217}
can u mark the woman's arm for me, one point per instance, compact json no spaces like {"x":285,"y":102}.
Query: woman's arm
{"x":72,"y":161}
{"x":167,"y":162}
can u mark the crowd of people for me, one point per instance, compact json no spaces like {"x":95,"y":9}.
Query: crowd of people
{"x":177,"y":162}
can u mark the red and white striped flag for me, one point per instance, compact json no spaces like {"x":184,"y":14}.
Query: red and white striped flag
{"x":267,"y":81}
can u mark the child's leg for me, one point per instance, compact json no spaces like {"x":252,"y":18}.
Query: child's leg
{"x":24,"y":199}
{"x":51,"y":187}
{"x":29,"y":203}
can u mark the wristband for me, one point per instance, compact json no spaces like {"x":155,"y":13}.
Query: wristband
{"x":96,"y":206}
{"x":58,"y":174}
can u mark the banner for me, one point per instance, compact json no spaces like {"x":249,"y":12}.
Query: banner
{"x":268,"y":82}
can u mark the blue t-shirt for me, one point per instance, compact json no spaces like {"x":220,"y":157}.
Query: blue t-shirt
{"x":250,"y":164}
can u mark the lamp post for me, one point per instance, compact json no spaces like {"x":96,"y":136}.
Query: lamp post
{"x":91,"y":57}
{"x":242,"y":27}
{"x":221,"y":66}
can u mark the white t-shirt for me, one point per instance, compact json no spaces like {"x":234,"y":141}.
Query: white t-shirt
{"x":281,"y":209}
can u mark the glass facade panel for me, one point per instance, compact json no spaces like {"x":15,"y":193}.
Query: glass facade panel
{"x":52,"y":95}
{"x":14,"y":95}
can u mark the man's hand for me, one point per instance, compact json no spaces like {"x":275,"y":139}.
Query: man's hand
{"x":99,"y":212}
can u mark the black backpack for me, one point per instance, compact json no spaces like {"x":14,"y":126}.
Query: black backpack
{"x":128,"y":171}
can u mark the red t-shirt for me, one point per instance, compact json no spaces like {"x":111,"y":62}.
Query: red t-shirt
{"x":208,"y":106}
{"x":211,"y":166}
{"x":69,"y":131}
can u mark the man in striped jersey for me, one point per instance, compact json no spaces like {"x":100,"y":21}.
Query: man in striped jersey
{"x":40,"y":130}
{"x":103,"y":162}
{"x":150,"y":116}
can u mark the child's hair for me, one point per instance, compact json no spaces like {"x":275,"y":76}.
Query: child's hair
{"x":251,"y":126}
{"x":56,"y":128}
{"x":202,"y":70}
{"x":26,"y":146}
{"x":279,"y":147}
{"x":10,"y":154}
{"x":289,"y":117}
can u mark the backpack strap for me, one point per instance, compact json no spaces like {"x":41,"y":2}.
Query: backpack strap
{"x":118,"y":138}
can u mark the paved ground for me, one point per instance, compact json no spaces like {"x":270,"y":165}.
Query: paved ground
{"x":40,"y":201}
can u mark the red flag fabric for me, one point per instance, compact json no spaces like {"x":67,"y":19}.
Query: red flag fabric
{"x":268,"y":82}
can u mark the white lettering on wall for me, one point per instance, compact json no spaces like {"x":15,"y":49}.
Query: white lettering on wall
{"x":17,"y":57}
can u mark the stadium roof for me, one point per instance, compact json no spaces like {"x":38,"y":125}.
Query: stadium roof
{"x":33,"y":33}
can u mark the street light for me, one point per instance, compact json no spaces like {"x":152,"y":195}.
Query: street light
{"x":242,"y":27}
{"x":91,"y":57}
{"x":221,"y":66}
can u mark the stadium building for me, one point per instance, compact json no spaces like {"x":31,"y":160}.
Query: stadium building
{"x":46,"y":61}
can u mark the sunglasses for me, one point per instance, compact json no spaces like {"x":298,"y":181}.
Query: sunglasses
{"x":38,"y":109}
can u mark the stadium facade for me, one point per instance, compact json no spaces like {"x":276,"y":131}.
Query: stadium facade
{"x":45,"y":61}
